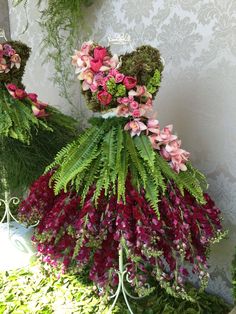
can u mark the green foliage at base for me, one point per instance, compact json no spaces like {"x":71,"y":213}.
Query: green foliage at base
{"x":104,"y":155}
{"x":34,"y":291}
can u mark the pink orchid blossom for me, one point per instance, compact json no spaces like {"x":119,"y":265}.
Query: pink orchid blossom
{"x":86,"y":47}
{"x":136,"y":127}
{"x":153,"y":126}
{"x":166,"y":136}
{"x":15,"y":61}
{"x":148,"y":105}
{"x":87,"y":77}
{"x":178,"y":157}
{"x":140,"y":91}
{"x":83,"y":64}
{"x":110,"y":63}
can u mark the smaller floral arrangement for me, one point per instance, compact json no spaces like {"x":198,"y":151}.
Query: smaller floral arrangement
{"x":8,"y":58}
{"x":38,"y":107}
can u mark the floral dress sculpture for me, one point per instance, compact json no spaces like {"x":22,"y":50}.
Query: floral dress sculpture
{"x":124,"y":183}
{"x":31,"y":132}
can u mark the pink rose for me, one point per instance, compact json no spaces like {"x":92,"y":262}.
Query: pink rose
{"x":134,"y":105}
{"x":99,"y":53}
{"x":129,"y":82}
{"x":20,"y":93}
{"x":136,"y":113}
{"x":11,"y":87}
{"x":33,"y":97}
{"x":104,"y":97}
{"x":123,"y":100}
{"x":95,"y":64}
{"x":119,"y":77}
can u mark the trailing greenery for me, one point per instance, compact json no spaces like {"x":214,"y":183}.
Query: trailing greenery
{"x":104,"y":155}
{"x":34,"y":290}
{"x":24,"y":163}
{"x":60,"y":21}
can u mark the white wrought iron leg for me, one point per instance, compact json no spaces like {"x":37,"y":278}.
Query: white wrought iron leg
{"x":122,"y":274}
{"x":7,"y":210}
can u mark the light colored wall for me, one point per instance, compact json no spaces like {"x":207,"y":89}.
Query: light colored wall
{"x":197,"y":39}
{"x":4,"y":17}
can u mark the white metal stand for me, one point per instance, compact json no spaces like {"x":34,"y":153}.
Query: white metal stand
{"x":7,"y":201}
{"x":123,"y":275}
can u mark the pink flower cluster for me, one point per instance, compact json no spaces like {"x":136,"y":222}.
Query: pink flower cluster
{"x":96,"y":69}
{"x":78,"y":236}
{"x":92,"y":62}
{"x":8,"y":58}
{"x":38,"y":107}
{"x":168,"y":144}
{"x":137,"y":104}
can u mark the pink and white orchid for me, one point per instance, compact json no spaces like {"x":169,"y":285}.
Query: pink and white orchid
{"x":166,"y":136}
{"x":153,"y":126}
{"x":122,"y":111}
{"x":87,"y":78}
{"x":140,"y":91}
{"x":135,"y":126}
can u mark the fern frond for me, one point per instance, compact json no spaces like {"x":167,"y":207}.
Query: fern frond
{"x":152,"y":194}
{"x":145,"y":149}
{"x":122,"y":171}
{"x":79,"y":158}
{"x":90,"y":177}
{"x":134,"y":157}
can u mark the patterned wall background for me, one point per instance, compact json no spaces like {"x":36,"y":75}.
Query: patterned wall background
{"x":197,"y":39}
{"x":4,"y":17}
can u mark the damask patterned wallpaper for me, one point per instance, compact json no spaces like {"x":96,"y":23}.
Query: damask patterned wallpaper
{"x":4,"y":17}
{"x":197,"y":39}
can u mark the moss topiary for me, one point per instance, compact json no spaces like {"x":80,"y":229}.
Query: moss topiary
{"x":15,"y":75}
{"x":142,"y":63}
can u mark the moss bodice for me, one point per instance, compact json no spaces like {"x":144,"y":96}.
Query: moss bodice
{"x":15,"y":75}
